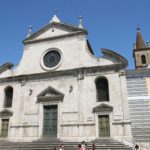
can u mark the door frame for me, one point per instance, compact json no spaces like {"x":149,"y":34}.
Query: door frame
{"x":41,"y":117}
{"x":97,"y":123}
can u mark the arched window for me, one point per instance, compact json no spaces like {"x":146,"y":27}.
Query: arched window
{"x":143,"y":59}
{"x":102,"y":89}
{"x":8,"y":96}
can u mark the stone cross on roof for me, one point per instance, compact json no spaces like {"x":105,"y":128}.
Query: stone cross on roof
{"x":55,"y":19}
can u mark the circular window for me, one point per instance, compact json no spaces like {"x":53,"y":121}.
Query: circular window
{"x":51,"y":59}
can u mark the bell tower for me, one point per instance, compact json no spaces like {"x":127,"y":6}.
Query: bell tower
{"x":141,"y":52}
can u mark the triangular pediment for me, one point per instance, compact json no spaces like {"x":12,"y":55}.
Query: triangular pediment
{"x":50,"y":94}
{"x":52,"y":31}
{"x":102,"y":107}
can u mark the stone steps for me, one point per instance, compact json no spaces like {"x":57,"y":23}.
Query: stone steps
{"x":49,"y":145}
{"x":142,"y":139}
{"x":142,"y":130}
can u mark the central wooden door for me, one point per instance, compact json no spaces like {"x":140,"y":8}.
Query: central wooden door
{"x":104,"y":126}
{"x":50,"y":121}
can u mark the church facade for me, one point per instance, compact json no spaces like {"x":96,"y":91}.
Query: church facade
{"x":60,"y":89}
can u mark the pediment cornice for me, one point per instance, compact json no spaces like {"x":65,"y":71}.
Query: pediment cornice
{"x":6,"y":113}
{"x":71,"y":31}
{"x":102,"y":107}
{"x":50,"y":94}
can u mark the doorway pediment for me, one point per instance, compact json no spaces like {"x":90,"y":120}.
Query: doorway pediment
{"x":102,"y":107}
{"x":50,"y":94}
{"x":6,"y":112}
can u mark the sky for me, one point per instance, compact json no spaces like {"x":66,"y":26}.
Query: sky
{"x":110,"y":23}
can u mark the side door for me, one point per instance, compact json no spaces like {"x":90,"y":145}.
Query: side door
{"x":104,"y":126}
{"x":4,"y":127}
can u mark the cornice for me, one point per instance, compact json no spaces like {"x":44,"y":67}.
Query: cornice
{"x":52,"y":38}
{"x":77,"y":72}
{"x":102,"y":107}
{"x":141,"y":49}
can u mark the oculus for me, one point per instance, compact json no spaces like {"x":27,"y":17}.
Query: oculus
{"x":51,"y":59}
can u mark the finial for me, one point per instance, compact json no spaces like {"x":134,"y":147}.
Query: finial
{"x":55,"y":19}
{"x":80,"y":22}
{"x":29,"y":31}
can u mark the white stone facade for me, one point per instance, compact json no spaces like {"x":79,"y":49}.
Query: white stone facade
{"x":73,"y":80}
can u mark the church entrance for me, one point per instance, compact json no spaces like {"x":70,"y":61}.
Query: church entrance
{"x":50,"y":121}
{"x":104,"y":126}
